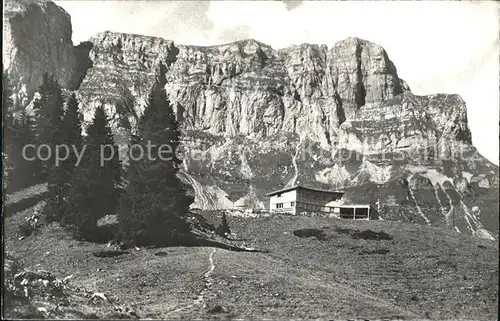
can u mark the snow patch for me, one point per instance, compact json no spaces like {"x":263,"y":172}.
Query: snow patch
{"x":452,"y":208}
{"x":206,"y":197}
{"x":484,"y":234}
{"x":220,"y":197}
{"x":419,"y":210}
{"x":249,"y":201}
{"x":217,"y":150}
{"x":441,"y":207}
{"x":335,"y":175}
{"x":467,"y":176}
{"x":294,"y":163}
{"x":378,"y":175}
{"x":245,"y":169}
{"x":436,"y":177}
{"x":472,"y":216}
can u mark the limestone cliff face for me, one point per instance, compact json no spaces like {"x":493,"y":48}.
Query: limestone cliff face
{"x":120,"y":72}
{"x":36,"y":39}
{"x":243,"y":88}
{"x":437,"y":122}
{"x":348,"y":96}
{"x":354,"y":70}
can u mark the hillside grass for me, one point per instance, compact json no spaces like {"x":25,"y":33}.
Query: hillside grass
{"x":420,"y":272}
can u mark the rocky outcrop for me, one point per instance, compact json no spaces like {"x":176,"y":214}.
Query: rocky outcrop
{"x":123,"y":69}
{"x":355,"y":70}
{"x":435,"y":125}
{"x":242,"y":88}
{"x":36,"y":39}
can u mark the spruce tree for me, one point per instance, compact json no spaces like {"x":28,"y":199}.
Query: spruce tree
{"x":56,"y":202}
{"x":20,"y":170}
{"x":7,"y":123}
{"x":72,"y":126}
{"x":49,"y":112}
{"x":93,"y":189}
{"x":154,"y":206}
{"x":26,"y":164}
{"x":99,"y":135}
{"x":223,"y":228}
{"x":7,"y":103}
{"x":50,"y":131}
{"x":129,"y":202}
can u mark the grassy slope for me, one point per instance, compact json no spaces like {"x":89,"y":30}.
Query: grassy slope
{"x":427,"y":272}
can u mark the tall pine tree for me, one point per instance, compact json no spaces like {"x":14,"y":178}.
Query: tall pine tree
{"x":128,"y":202}
{"x":7,"y":103}
{"x":154,"y":206}
{"x":72,"y":126}
{"x":93,"y":189}
{"x":49,"y":111}
{"x":26,"y":164}
{"x":20,"y":170}
{"x":7,"y":123}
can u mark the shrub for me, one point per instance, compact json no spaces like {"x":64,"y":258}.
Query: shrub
{"x":371,"y":235}
{"x":28,"y":226}
{"x":24,"y":229}
{"x":304,"y":233}
{"x":223,"y":228}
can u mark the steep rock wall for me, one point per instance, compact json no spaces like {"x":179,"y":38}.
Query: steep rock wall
{"x":243,"y":88}
{"x":36,"y":39}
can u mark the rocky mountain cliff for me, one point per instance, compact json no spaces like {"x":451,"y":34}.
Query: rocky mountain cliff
{"x":256,"y":119}
{"x":37,"y":39}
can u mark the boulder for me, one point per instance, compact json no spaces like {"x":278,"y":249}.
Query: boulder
{"x":484,"y":183}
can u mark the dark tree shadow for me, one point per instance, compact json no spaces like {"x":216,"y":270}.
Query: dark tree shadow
{"x":24,"y":204}
{"x":109,"y":233}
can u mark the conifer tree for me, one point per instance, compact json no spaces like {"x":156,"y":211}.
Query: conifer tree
{"x":56,"y":203}
{"x":72,"y":126}
{"x":99,"y":135}
{"x":128,"y":202}
{"x":72,"y":123}
{"x":26,"y":164}
{"x":93,"y":189}
{"x":20,"y":170}
{"x":7,"y":103}
{"x":223,"y":228}
{"x":7,"y":123}
{"x":49,"y":111}
{"x":155,"y":202}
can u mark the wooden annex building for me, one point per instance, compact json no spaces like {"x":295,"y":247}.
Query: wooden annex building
{"x":298,"y":199}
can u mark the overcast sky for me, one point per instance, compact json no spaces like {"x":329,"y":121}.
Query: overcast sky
{"x":438,"y":47}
